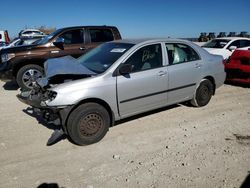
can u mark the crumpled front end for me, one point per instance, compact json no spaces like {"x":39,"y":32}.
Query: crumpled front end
{"x":57,"y":71}
{"x":37,"y":98}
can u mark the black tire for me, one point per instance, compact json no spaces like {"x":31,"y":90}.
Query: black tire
{"x":203,"y":93}
{"x":88,"y":124}
{"x":23,"y":73}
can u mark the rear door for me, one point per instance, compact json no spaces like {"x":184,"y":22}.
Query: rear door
{"x":185,"y":71}
{"x":73,"y":44}
{"x":145,"y":87}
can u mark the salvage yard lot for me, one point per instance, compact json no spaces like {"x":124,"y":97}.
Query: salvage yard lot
{"x":179,"y":146}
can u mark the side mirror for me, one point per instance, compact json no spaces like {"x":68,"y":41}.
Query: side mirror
{"x":125,"y":69}
{"x":232,"y":48}
{"x":59,"y":42}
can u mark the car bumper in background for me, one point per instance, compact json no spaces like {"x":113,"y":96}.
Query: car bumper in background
{"x":5,"y":72}
{"x":237,"y":76}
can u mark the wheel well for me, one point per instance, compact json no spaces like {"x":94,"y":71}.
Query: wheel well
{"x":21,"y":64}
{"x":100,"y":102}
{"x":211,"y":79}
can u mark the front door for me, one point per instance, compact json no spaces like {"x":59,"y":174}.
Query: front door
{"x":73,"y":44}
{"x":145,"y":87}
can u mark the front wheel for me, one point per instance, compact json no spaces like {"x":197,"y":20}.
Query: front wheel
{"x":27,"y":75}
{"x":88,"y":124}
{"x":203,"y":93}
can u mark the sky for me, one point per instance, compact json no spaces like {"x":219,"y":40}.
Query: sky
{"x":134,"y":18}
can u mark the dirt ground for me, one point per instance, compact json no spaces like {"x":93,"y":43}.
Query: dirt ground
{"x":179,"y":146}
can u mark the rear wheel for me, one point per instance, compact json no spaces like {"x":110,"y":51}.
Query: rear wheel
{"x":88,"y":124}
{"x":27,"y":75}
{"x":203,"y":93}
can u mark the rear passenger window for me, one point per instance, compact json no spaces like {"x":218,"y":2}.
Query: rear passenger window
{"x":148,"y":57}
{"x":73,"y":37}
{"x":101,"y":35}
{"x":180,"y":53}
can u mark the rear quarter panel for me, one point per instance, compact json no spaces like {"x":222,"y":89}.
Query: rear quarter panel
{"x":213,"y":66}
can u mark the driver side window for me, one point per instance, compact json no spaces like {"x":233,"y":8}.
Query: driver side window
{"x":148,"y":57}
{"x":73,"y":37}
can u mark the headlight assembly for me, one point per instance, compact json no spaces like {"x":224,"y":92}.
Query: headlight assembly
{"x":50,"y":95}
{"x":7,"y":57}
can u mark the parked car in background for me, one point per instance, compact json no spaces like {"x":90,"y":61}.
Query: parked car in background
{"x":2,"y":44}
{"x":226,"y":45}
{"x":25,"y":63}
{"x":4,"y":37}
{"x":120,"y":79}
{"x":31,"y":33}
{"x":20,"y":42}
{"x":237,"y":67}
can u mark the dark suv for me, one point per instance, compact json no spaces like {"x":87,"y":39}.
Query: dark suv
{"x":25,"y":63}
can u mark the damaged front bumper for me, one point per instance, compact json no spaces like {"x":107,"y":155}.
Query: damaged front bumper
{"x":30,"y":99}
{"x":51,"y":115}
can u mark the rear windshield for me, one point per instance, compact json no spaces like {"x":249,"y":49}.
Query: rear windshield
{"x":101,"y":58}
{"x":216,"y":43}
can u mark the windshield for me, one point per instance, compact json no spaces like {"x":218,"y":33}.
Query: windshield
{"x":216,"y":43}
{"x":37,"y":41}
{"x":48,"y":37}
{"x":101,"y":58}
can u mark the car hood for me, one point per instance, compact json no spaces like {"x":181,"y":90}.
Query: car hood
{"x":15,"y":49}
{"x":65,"y":65}
{"x":57,"y":70}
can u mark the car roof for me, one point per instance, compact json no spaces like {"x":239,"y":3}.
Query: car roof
{"x":149,"y":40}
{"x":87,"y":26}
{"x":30,"y":30}
{"x":233,"y":38}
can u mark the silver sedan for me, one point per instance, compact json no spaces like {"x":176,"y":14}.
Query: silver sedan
{"x":124,"y":78}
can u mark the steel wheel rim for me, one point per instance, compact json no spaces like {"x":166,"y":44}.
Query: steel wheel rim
{"x":90,"y":124}
{"x":204,"y":95}
{"x":31,"y":76}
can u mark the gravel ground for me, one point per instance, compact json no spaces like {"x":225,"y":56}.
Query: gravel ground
{"x":179,"y":146}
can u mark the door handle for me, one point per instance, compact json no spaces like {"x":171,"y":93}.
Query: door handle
{"x":82,"y":48}
{"x":162,"y":73}
{"x":54,"y":51}
{"x":197,"y":65}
